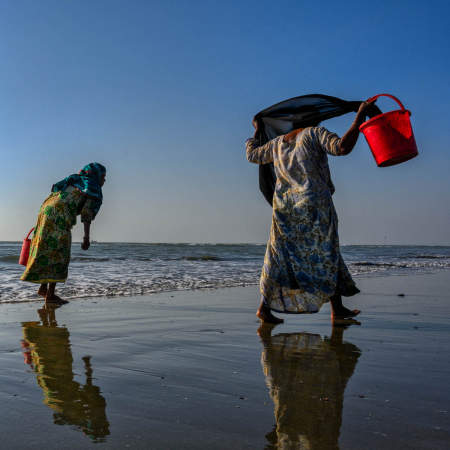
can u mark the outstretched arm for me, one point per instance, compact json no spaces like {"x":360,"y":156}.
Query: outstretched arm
{"x":86,"y":242}
{"x":349,"y":139}
{"x":87,"y":216}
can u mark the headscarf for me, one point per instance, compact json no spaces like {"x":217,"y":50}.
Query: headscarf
{"x":297,"y":112}
{"x":86,"y":181}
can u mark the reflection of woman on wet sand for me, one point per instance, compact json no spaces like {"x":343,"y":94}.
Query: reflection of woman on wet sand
{"x":307,"y":376}
{"x":47,"y":351}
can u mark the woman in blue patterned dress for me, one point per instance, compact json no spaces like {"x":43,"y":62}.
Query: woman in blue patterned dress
{"x":303,"y":267}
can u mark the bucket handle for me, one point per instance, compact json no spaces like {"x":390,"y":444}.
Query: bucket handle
{"x":388,"y":95}
{"x":28,"y":235}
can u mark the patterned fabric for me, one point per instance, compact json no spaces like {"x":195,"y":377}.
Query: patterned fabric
{"x":87,"y":181}
{"x":292,"y":114}
{"x":50,"y":247}
{"x":303,"y":266}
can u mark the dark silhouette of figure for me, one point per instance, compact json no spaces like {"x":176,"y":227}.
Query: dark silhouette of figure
{"x":47,"y":351}
{"x":306,"y":376}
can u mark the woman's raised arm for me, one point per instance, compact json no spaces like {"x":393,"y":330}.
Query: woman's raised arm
{"x":349,"y":139}
{"x":259,"y":154}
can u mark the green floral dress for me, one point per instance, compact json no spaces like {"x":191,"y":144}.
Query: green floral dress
{"x":303,"y":266}
{"x":50,"y":247}
{"x":49,"y":354}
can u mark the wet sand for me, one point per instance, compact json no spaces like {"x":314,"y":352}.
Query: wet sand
{"x":189,"y":370}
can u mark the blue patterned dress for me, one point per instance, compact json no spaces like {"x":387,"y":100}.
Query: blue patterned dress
{"x":303,"y":266}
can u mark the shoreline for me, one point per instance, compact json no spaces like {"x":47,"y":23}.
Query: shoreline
{"x":187,"y":369}
{"x":115,"y":270}
{"x":358,"y":277}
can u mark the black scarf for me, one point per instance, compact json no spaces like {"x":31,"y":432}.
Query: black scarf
{"x":297,"y":112}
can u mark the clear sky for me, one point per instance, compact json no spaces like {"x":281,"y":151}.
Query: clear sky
{"x":163,"y":92}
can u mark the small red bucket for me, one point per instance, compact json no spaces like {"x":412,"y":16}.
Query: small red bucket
{"x":390,"y":135}
{"x":25,"y":252}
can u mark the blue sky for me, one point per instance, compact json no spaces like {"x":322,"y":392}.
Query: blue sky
{"x":163,"y":94}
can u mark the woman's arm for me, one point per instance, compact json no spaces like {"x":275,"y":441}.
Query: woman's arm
{"x":259,"y":154}
{"x":86,"y":239}
{"x":349,"y":139}
{"x":87,"y":216}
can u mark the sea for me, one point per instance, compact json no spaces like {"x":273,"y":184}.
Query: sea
{"x":126,"y":269}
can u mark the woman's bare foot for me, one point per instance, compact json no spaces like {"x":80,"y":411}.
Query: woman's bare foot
{"x":43,"y":290}
{"x":266,"y":315}
{"x":55,"y":300}
{"x":344,"y":323}
{"x":343,"y":313}
{"x":52,"y":298}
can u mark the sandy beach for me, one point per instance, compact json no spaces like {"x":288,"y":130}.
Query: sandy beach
{"x":189,"y":370}
{"x":179,"y":177}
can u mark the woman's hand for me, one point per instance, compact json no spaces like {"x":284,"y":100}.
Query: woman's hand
{"x":349,"y":139}
{"x":85,"y":244}
{"x":362,"y":111}
{"x":256,"y":124}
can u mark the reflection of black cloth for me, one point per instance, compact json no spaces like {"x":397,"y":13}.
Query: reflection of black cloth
{"x":297,"y":112}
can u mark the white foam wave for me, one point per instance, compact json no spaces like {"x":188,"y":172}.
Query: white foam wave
{"x":136,"y":269}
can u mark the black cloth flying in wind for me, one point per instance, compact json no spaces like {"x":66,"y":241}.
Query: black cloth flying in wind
{"x":297,"y":112}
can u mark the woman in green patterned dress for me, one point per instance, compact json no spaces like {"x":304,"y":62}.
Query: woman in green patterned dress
{"x":78,"y":194}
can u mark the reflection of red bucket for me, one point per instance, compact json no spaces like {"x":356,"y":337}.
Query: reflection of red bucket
{"x":390,"y":136}
{"x":25,"y":253}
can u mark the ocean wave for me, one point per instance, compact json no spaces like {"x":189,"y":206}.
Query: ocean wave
{"x":202,"y":258}
{"x":89,"y":259}
{"x":367,"y":263}
{"x":142,"y":259}
{"x":10,"y":259}
{"x":429,"y":257}
{"x":110,"y":270}
{"x":401,"y":265}
{"x":78,"y":287}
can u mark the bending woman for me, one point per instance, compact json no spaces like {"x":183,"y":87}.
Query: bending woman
{"x":303,"y":267}
{"x":50,"y":247}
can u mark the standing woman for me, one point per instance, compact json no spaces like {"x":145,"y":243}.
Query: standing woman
{"x":50,"y":248}
{"x":303,"y":267}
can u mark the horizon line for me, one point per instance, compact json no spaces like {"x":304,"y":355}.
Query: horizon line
{"x":94,"y":241}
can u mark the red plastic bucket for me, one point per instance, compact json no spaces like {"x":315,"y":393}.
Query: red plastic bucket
{"x":390,"y":135}
{"x":25,"y":252}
